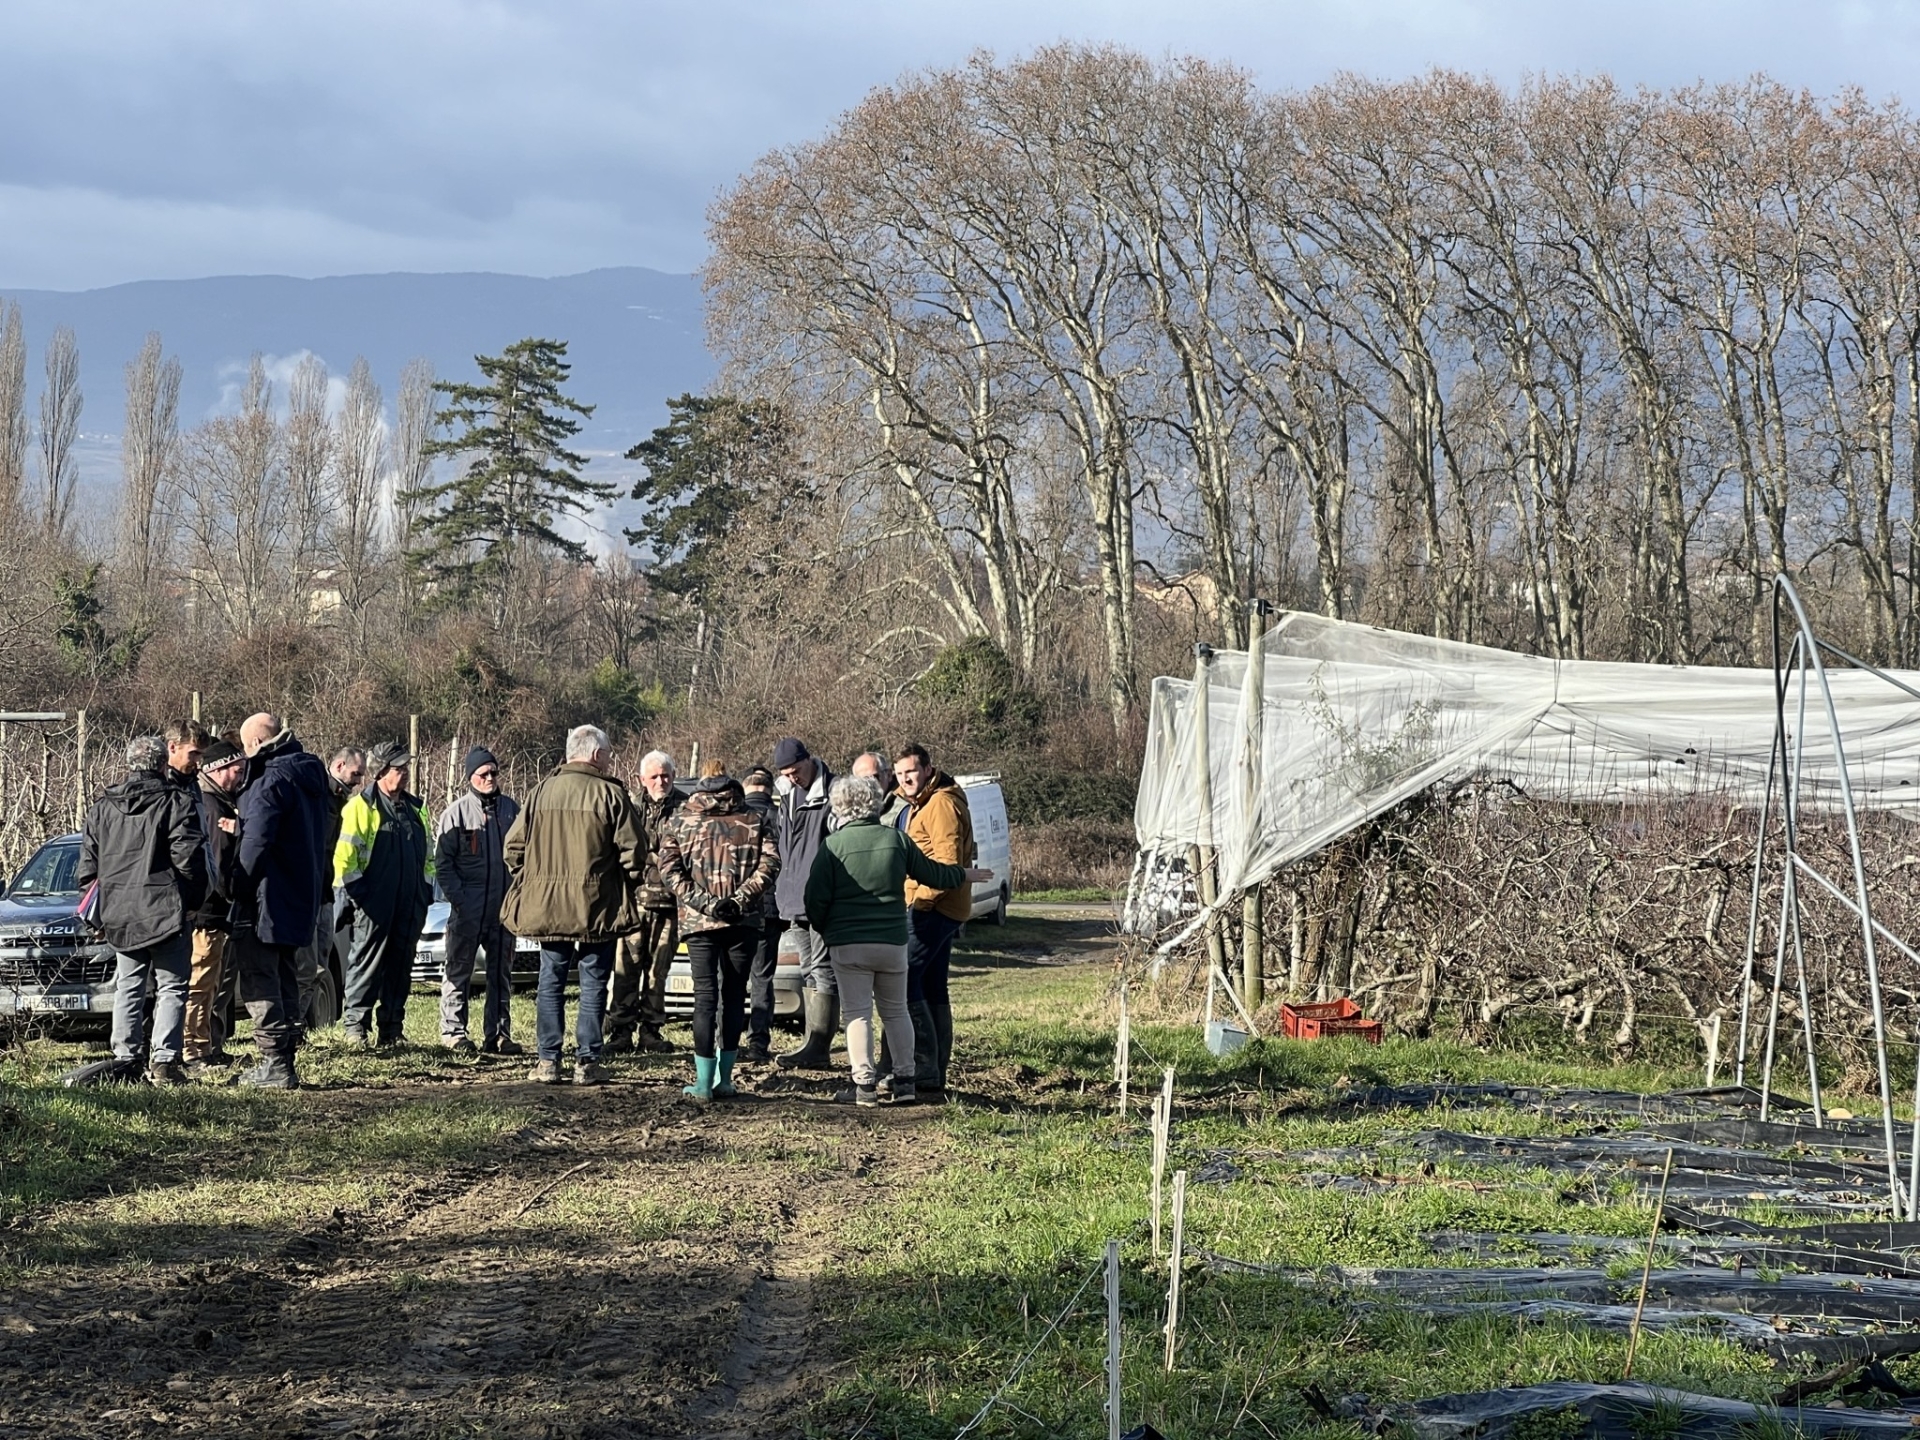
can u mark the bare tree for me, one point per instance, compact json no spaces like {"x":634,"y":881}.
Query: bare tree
{"x":60,"y":406}
{"x":306,"y":444}
{"x":359,"y":461}
{"x":412,"y":464}
{"x":147,"y":446}
{"x":236,"y":511}
{"x":13,"y":410}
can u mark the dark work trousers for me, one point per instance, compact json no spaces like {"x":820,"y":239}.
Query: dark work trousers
{"x":766,"y":958}
{"x":466,"y":938}
{"x":929,"y":958}
{"x":269,"y":988}
{"x":379,"y":973}
{"x":721,"y":961}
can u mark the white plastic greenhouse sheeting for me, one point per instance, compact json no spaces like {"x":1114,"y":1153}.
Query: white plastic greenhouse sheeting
{"x":1355,"y":720}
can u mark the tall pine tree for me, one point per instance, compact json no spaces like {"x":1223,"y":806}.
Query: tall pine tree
{"x":488,"y":522}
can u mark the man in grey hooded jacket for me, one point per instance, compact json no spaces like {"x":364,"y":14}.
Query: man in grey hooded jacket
{"x":474,"y":879}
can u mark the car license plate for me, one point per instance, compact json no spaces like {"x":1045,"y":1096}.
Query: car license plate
{"x":679,"y":984}
{"x":56,"y":1002}
{"x":525,"y":944}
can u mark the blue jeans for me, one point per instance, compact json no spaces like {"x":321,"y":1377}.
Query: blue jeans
{"x":557,"y":957}
{"x":169,"y":963}
{"x":929,"y":955}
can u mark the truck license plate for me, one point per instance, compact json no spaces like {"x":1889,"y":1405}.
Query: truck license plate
{"x":525,"y":944}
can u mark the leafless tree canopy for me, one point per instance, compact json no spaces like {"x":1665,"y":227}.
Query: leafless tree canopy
{"x":1568,"y":368}
{"x":13,"y":411}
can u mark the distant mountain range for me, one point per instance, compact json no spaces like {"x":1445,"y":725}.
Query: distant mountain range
{"x":634,"y":338}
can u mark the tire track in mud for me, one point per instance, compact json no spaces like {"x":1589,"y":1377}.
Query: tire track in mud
{"x":477,"y":1298}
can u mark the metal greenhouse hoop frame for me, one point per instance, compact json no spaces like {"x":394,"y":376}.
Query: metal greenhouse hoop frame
{"x":1802,"y":669}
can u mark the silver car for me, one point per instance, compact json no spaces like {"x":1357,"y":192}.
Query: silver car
{"x":787,"y":1008}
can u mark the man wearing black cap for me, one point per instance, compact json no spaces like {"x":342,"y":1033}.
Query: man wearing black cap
{"x":384,"y":863}
{"x":474,"y":879}
{"x":802,"y":826}
{"x":222,"y":768}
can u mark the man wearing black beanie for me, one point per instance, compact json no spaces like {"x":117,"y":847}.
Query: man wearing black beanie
{"x":474,"y":878}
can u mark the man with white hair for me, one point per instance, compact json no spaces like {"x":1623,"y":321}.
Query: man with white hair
{"x":142,"y":845}
{"x":641,"y":962}
{"x":577,"y":857}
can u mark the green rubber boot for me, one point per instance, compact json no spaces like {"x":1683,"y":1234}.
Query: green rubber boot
{"x":723,"y":1087}
{"x":702,"y":1087}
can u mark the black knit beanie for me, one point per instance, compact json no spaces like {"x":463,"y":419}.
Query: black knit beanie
{"x":477,"y":757}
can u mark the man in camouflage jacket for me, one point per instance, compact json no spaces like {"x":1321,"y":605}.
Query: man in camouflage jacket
{"x":637,"y":1002}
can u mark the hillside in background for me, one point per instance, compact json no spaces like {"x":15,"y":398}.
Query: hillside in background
{"x":634,"y":338}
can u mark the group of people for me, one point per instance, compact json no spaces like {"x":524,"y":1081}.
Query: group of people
{"x":226,"y":869}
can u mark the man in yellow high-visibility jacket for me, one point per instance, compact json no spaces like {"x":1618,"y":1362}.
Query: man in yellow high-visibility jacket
{"x":384,"y":864}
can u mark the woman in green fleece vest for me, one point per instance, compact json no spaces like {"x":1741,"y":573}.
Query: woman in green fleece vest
{"x":856,"y":899}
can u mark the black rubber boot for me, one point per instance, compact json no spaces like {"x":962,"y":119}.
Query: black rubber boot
{"x":942,"y":1013}
{"x":927,"y":1071}
{"x":274,"y":1072}
{"x":823,"y":1023}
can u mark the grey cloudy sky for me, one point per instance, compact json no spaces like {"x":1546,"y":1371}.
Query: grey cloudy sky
{"x":147,"y":139}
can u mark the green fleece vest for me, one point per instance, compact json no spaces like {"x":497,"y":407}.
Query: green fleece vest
{"x":856,"y":892}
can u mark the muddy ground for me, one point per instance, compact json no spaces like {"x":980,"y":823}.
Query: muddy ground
{"x":625,"y":1263}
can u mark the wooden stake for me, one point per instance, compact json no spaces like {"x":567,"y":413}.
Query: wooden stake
{"x":1123,"y":1045}
{"x":1173,"y":1264}
{"x":79,"y":768}
{"x":1159,"y":1166}
{"x":1646,"y":1271}
{"x":1713,"y":1047}
{"x":1113,"y":1340}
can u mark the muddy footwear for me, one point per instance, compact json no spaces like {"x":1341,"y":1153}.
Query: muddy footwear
{"x":723,"y":1082}
{"x":620,"y":1044}
{"x":461,"y":1045}
{"x":653,"y":1042}
{"x":358,"y":1040}
{"x":275,"y":1072}
{"x":757,"y":1053}
{"x":703,"y":1072}
{"x":823,"y":1023}
{"x":589,"y":1072}
{"x":865,"y":1096}
{"x":166,"y":1072}
{"x":903,"y":1092}
{"x":502,"y":1047}
{"x":545,"y":1072}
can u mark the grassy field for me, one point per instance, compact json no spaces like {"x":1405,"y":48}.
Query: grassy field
{"x":976,"y":1261}
{"x":944,"y":1242}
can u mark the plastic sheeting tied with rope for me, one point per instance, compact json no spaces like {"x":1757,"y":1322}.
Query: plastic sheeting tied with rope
{"x":1350,"y":721}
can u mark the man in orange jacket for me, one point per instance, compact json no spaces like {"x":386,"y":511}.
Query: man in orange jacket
{"x":938,"y":821}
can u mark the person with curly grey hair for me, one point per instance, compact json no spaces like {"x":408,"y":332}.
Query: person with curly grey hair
{"x":141,"y":845}
{"x":856,"y":898}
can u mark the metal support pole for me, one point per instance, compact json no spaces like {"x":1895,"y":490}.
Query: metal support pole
{"x":1252,"y":924}
{"x":1113,"y":1340}
{"x":1206,"y":880}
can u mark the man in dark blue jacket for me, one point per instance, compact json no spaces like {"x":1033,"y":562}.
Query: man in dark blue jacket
{"x":283,"y":821}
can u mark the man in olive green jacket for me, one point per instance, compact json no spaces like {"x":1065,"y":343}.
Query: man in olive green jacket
{"x":578,"y":858}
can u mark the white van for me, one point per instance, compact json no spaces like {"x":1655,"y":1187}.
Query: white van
{"x":992,"y":844}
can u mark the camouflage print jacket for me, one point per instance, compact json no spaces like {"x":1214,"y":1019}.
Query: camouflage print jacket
{"x":655,"y":815}
{"x":715,"y":848}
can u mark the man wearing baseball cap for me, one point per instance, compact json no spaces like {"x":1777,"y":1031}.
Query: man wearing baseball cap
{"x":384,"y":864}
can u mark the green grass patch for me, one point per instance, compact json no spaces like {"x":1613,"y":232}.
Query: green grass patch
{"x":944,"y":1300}
{"x":1071,"y":895}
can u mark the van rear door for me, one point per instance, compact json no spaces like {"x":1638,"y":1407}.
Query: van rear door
{"x":987,"y":804}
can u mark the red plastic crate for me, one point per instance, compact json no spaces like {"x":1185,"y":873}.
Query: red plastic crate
{"x":1293,"y":1018}
{"x":1371,"y":1031}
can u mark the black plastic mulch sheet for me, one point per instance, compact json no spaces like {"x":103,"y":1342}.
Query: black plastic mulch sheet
{"x":1702,"y":1174}
{"x":1823,"y":1317}
{"x":1793,"y":1250}
{"x":1711,"y":1104}
{"x":1629,"y":1412}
